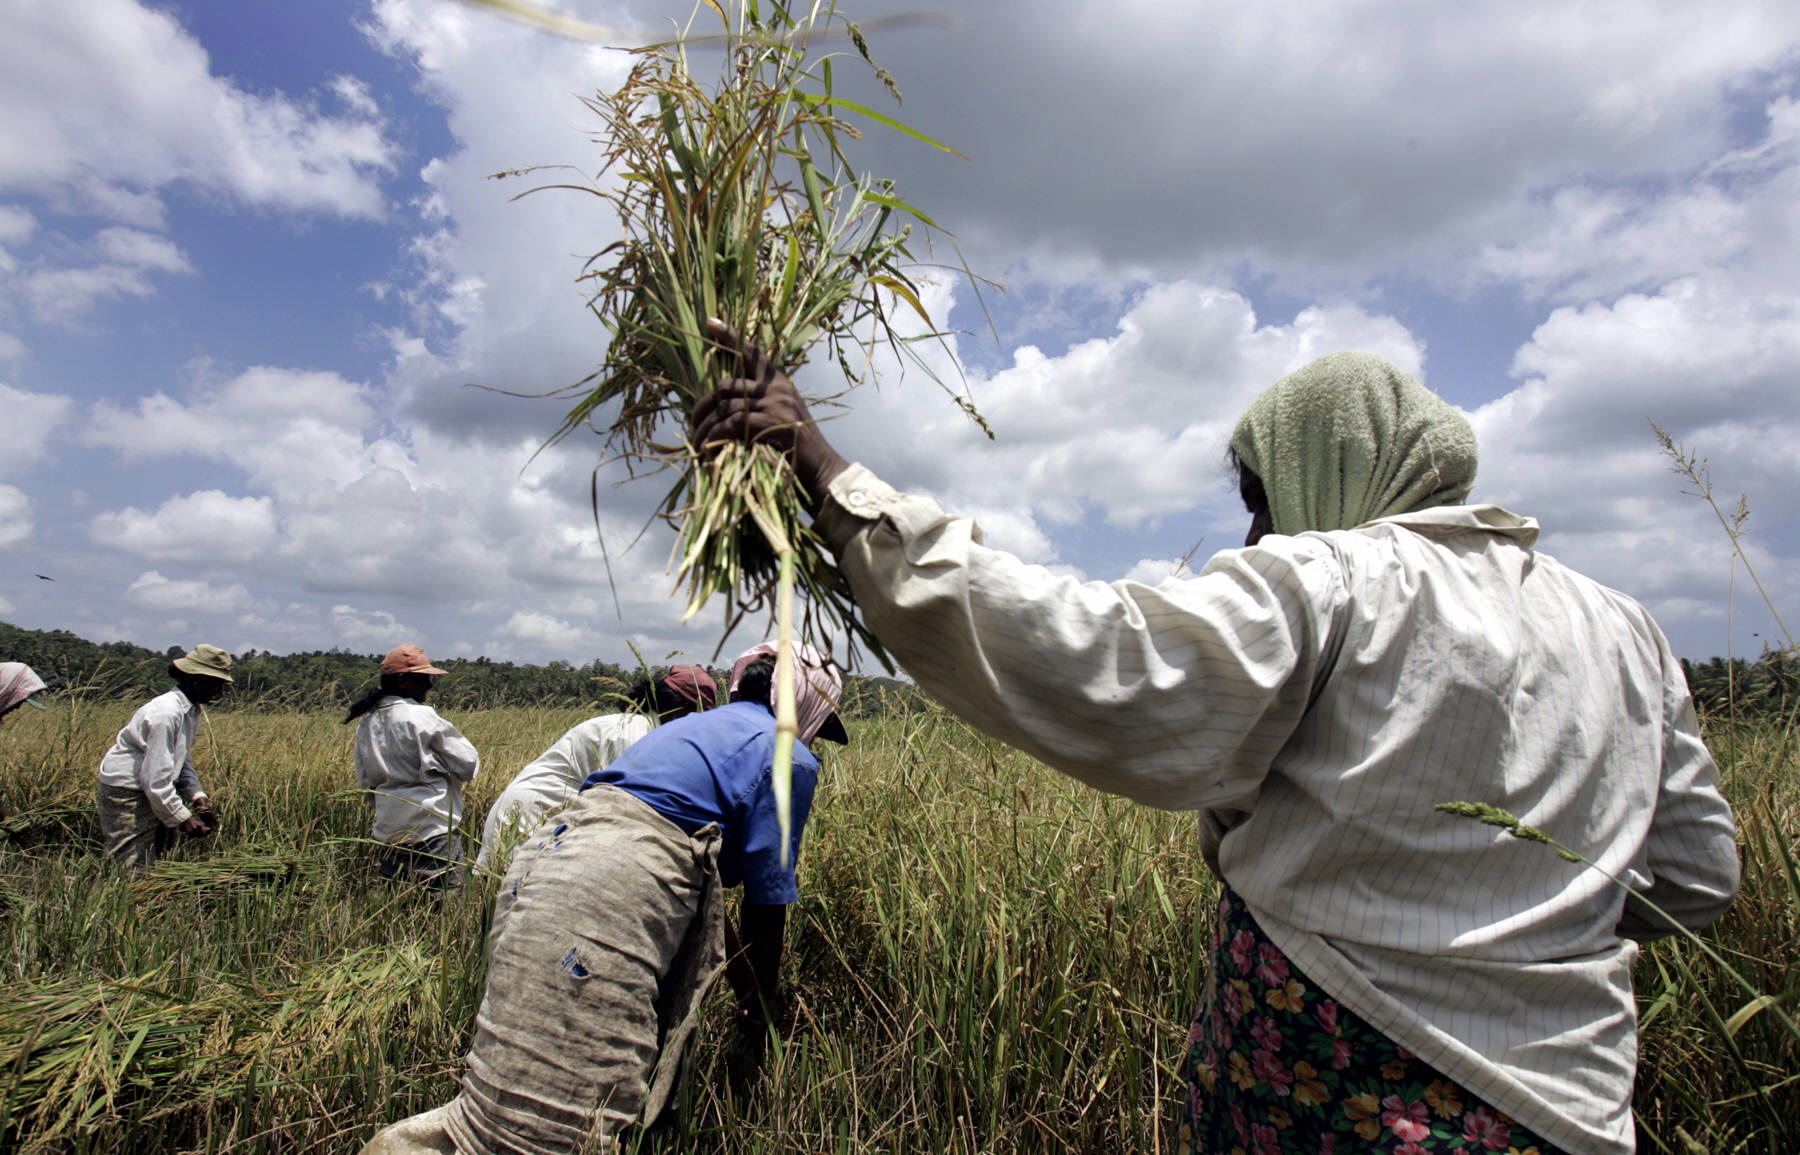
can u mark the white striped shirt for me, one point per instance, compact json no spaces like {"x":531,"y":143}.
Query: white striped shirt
{"x":1315,"y":697}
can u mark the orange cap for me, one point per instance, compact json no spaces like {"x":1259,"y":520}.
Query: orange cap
{"x":407,"y":660}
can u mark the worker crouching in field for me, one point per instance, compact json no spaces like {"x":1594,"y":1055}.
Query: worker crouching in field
{"x":148,"y":788}
{"x":1384,"y":977}
{"x":557,"y":774}
{"x":414,"y":765}
{"x":609,"y":927}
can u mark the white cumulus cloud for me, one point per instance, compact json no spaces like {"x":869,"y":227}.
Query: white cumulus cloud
{"x":292,"y":431}
{"x":377,"y":629}
{"x":1134,"y":425}
{"x":15,"y":516}
{"x":535,"y":627}
{"x":138,"y":108}
{"x":28,"y":421}
{"x":207,"y":528}
{"x":142,"y":250}
{"x":154,"y":591}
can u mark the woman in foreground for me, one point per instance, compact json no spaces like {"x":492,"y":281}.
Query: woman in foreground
{"x":1385,"y":977}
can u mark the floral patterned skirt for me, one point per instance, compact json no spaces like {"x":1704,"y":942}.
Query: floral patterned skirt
{"x":1275,"y":1066}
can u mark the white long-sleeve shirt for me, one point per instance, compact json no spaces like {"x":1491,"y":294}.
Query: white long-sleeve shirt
{"x":414,"y":765}
{"x":549,"y":780}
{"x":152,"y":754}
{"x":1315,"y":697}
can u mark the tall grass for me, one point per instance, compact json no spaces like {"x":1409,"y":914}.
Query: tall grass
{"x":986,"y":957}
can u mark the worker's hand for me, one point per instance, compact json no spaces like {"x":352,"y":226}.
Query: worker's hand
{"x":764,"y":406}
{"x":203,"y":810}
{"x":195,"y":828}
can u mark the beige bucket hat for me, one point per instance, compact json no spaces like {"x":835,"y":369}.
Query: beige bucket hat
{"x":206,"y":662}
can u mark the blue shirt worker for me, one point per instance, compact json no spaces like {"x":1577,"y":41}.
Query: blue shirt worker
{"x":610,"y":925}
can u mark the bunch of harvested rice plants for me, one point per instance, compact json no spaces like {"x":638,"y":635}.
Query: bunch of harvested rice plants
{"x":728,"y":195}
{"x":987,"y":958}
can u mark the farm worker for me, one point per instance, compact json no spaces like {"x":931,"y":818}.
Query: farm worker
{"x":413,"y":764}
{"x":1383,"y":975}
{"x":610,"y":926}
{"x":557,"y":773}
{"x":18,"y":682}
{"x":147,"y":786}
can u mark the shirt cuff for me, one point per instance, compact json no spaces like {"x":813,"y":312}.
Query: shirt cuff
{"x":856,"y":499}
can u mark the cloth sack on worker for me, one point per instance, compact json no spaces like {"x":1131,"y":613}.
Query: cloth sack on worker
{"x":608,"y":929}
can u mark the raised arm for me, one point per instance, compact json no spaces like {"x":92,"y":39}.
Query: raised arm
{"x":1177,"y":695}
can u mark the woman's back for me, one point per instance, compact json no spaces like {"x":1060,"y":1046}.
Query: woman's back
{"x":1463,"y":665}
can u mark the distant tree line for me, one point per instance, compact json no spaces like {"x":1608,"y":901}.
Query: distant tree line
{"x":1767,"y":687}
{"x":332,"y":679}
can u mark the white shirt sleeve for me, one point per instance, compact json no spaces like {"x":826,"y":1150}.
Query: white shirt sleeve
{"x":1691,"y":853}
{"x":452,"y":755}
{"x":165,"y":757}
{"x":1177,"y":695}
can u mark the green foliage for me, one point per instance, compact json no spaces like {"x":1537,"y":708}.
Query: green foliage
{"x":313,"y":680}
{"x":332,"y":679}
{"x":1766,"y":688}
{"x":1719,"y":1048}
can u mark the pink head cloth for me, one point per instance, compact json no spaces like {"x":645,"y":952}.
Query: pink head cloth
{"x":819,"y":689}
{"x":17,"y":683}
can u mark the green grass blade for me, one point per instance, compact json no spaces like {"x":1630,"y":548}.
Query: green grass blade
{"x":822,"y":101}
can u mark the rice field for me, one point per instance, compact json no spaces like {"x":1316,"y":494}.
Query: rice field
{"x":986,"y":958}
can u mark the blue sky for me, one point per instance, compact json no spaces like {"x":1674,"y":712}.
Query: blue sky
{"x":249,"y":262}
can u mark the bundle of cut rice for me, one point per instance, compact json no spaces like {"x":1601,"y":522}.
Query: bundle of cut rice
{"x":738,"y":203}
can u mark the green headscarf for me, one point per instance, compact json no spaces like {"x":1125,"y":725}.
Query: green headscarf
{"x":1351,"y":438}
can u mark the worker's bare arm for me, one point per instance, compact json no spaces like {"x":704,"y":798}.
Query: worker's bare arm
{"x":762,"y":929}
